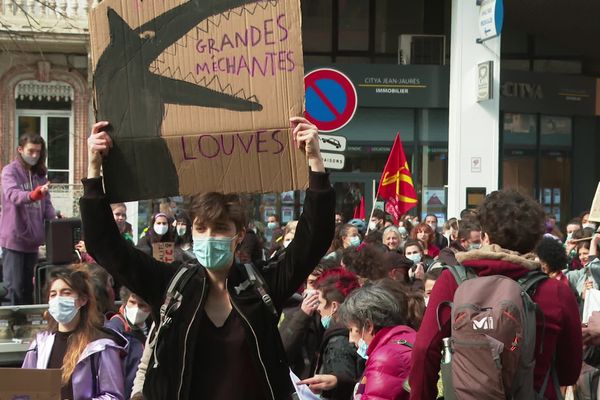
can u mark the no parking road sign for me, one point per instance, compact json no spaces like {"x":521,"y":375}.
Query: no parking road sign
{"x":330,"y":99}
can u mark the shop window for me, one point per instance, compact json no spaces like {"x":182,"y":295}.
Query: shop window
{"x":434,"y":172}
{"x":353,"y":25}
{"x":520,"y":129}
{"x":556,"y":131}
{"x":536,"y":159}
{"x":316,"y":25}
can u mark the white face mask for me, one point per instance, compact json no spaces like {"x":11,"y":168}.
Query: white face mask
{"x":372,"y":225}
{"x":432,"y":226}
{"x":30,"y":160}
{"x":181,"y":230}
{"x":160,"y":229}
{"x":136,"y":315}
{"x":590,"y":225}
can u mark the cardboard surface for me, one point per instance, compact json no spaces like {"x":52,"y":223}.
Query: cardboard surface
{"x":164,"y":251}
{"x":199,"y":95}
{"x":595,"y":209}
{"x":30,"y":384}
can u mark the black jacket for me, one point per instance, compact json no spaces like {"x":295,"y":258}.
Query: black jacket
{"x":338,"y":357}
{"x":169,"y":369}
{"x":301,"y":335}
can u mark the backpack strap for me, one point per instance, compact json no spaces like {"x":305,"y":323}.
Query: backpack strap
{"x":460,"y":273}
{"x":172,"y":302}
{"x":257,"y":281}
{"x":530,"y":281}
{"x":126,"y":326}
{"x":529,"y":284}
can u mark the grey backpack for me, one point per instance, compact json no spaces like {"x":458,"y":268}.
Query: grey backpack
{"x":492,"y":345}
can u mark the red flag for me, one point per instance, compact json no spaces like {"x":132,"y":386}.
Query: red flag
{"x":396,"y":186}
{"x":359,"y":211}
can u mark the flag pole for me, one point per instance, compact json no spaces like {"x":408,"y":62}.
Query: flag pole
{"x":372,"y":208}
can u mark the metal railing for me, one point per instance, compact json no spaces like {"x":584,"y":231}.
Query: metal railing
{"x":50,"y":16}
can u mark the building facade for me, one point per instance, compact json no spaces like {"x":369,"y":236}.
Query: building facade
{"x":550,"y":131}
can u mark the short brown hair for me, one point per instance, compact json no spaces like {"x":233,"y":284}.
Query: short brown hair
{"x":216,"y":209}
{"x":512,"y":221}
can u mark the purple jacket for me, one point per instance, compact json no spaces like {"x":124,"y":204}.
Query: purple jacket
{"x":108,"y":359}
{"x":21,"y":219}
{"x":388,"y":365}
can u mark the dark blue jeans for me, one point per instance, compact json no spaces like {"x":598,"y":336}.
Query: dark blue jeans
{"x":17,"y":271}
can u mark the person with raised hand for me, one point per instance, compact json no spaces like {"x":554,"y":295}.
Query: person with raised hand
{"x":222,"y":325}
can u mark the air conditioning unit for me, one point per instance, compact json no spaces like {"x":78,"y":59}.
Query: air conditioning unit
{"x":422,"y":49}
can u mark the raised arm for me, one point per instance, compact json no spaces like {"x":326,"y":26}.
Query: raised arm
{"x":314,"y":232}
{"x":137,"y":271}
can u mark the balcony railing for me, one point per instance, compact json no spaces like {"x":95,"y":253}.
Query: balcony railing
{"x":45,"y":16}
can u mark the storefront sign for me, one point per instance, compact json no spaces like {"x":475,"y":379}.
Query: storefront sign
{"x":398,"y":86}
{"x":330,"y":99}
{"x":485,"y":80}
{"x":491,"y":18}
{"x":529,"y":92}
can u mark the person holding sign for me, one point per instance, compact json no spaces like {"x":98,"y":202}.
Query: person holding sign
{"x":217,"y":337}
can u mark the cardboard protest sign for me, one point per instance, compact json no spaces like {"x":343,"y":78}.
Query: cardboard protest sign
{"x":34,"y":384}
{"x":199,"y":94}
{"x":164,"y":251}
{"x":595,"y":209}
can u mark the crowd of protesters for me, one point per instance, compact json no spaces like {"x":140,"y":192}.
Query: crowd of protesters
{"x":346,"y":309}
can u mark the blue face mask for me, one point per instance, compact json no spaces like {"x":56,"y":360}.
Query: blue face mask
{"x":354,"y":241}
{"x":416,"y":258}
{"x":272,"y":225}
{"x":362,"y":348}
{"x":474,"y":246}
{"x":214,"y":253}
{"x":326,"y":321}
{"x":62,"y":309}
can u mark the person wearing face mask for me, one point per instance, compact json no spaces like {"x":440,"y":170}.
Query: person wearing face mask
{"x":338,"y":366}
{"x":377,"y":220}
{"x":76,"y":342}
{"x":378,"y":325}
{"x":221,"y":340}
{"x":301,"y":329}
{"x":133,"y":322}
{"x":183,"y":237}
{"x":26,"y":206}
{"x":439,"y":240}
{"x":586,"y":223}
{"x":346,"y":236}
{"x":275,"y":233}
{"x":469,"y":239}
{"x":160,"y":231}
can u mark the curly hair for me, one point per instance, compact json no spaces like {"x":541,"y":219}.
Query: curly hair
{"x":512,"y":220}
{"x":336,"y":284}
{"x":369,"y":263}
{"x":552,"y":252}
{"x":423,"y":227}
